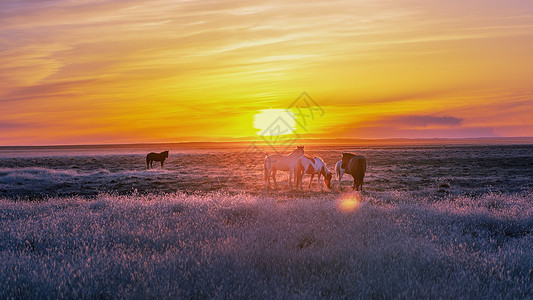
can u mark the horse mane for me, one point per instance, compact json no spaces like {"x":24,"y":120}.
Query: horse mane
{"x":348,"y":154}
{"x":298,"y":149}
{"x":311,"y":159}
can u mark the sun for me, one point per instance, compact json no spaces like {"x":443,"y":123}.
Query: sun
{"x":274,"y":122}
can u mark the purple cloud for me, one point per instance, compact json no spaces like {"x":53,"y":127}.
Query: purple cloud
{"x":427,"y":120}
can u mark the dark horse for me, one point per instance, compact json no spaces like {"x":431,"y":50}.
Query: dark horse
{"x":355,"y":165}
{"x":151,"y":157}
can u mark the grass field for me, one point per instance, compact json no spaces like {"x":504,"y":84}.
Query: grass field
{"x":220,"y":245}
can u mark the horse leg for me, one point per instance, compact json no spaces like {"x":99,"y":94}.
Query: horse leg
{"x":290,"y":177}
{"x":340,"y":178}
{"x":274,"y":177}
{"x":320,"y":183}
{"x":267,"y":175}
{"x":311,"y":180}
{"x":162,"y":164}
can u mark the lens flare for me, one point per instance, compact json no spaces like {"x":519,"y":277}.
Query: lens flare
{"x":349,"y":203}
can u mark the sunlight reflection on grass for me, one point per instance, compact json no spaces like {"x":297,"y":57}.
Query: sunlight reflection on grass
{"x":350,"y":202}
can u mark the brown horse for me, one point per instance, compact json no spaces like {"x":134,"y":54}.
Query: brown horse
{"x":151,"y":157}
{"x":354,"y":165}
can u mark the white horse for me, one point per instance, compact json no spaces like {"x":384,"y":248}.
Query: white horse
{"x":307,"y":165}
{"x":276,"y":162}
{"x":339,"y":172}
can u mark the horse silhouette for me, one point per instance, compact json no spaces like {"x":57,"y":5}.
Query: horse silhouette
{"x":151,"y":157}
{"x":354,"y":165}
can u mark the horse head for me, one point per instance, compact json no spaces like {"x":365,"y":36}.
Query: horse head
{"x":327,"y":179}
{"x":346,"y":159}
{"x":166,"y":154}
{"x":299,"y":151}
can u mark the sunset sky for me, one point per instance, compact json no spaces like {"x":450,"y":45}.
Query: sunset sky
{"x":136,"y":71}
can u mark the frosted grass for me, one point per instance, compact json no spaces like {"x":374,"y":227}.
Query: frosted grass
{"x":221,"y":245}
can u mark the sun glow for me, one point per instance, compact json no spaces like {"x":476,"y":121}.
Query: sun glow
{"x":272,"y":122}
{"x":349,"y":203}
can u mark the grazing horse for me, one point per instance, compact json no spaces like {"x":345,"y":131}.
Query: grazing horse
{"x":151,"y":157}
{"x":276,"y":162}
{"x":339,"y":172}
{"x":307,"y":165}
{"x":354,"y":165}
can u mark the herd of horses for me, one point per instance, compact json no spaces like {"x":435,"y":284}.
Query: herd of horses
{"x":297,"y":164}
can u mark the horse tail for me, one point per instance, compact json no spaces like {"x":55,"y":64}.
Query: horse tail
{"x":361,"y":169}
{"x":267,"y":167}
{"x":299,"y":171}
{"x":147,"y":161}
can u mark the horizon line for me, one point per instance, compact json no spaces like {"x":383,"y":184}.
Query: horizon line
{"x":341,"y":141}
